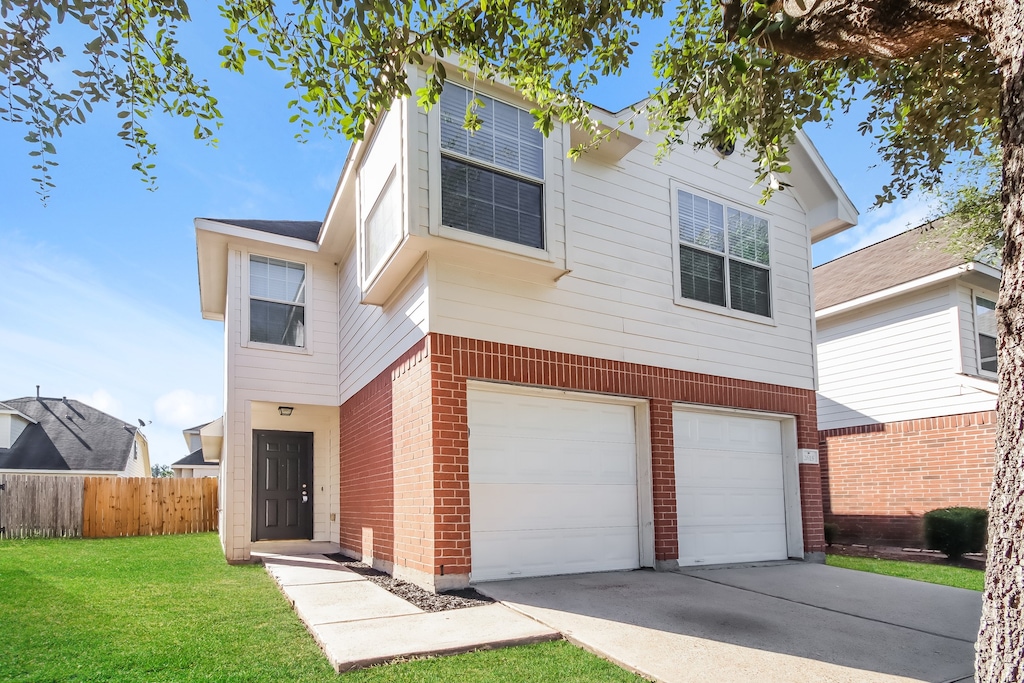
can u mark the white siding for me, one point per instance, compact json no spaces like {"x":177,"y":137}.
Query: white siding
{"x":136,"y":465}
{"x":373,"y":337}
{"x":968,"y":333}
{"x":896,"y":360}
{"x":618,"y":301}
{"x":262,"y":373}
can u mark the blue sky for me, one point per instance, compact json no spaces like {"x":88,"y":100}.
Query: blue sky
{"x":100,"y":297}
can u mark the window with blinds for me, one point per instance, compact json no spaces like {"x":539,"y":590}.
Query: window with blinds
{"x":723,"y":255}
{"x":492,"y":179}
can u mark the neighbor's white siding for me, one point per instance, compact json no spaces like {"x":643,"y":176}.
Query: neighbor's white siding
{"x":899,"y":359}
{"x":373,"y":337}
{"x":136,"y":465}
{"x":618,"y":300}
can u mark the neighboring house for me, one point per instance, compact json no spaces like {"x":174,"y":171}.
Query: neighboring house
{"x":195,"y":463}
{"x":63,"y":436}
{"x":490,"y":361}
{"x":907,"y":384}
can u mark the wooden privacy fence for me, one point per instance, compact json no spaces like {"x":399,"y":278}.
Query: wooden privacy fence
{"x":115,"y":506}
{"x":40,"y":505}
{"x":104,"y":507}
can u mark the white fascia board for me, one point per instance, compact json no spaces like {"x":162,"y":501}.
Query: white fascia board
{"x":934,"y":278}
{"x":829,"y":209}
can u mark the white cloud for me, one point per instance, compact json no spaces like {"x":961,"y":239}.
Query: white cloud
{"x":879,"y":224}
{"x":184,"y":408}
{"x":64,"y":326}
{"x":101,"y":399}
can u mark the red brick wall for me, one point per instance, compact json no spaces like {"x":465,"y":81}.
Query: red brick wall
{"x":877,"y":480}
{"x":405,"y":444}
{"x":385,"y":457}
{"x":456,"y":360}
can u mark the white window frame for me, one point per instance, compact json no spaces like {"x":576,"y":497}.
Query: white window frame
{"x":675,"y":186}
{"x":306,"y":348}
{"x":438,"y":228}
{"x":975,"y":295}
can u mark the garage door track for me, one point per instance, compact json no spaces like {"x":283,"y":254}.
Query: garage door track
{"x":782,"y":622}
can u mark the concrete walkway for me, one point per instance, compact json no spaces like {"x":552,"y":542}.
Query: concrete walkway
{"x":357,"y":623}
{"x":784,"y":623}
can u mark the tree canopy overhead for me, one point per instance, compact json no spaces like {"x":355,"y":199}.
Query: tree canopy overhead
{"x":718,"y":63}
{"x":939,"y":77}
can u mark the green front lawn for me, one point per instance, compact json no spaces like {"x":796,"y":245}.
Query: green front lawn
{"x":168,"y":608}
{"x":958,"y":577}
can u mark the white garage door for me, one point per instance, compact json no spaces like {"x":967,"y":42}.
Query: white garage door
{"x":729,"y":488}
{"x":552,"y":485}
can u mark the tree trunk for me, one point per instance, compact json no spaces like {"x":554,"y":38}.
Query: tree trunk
{"x":1000,"y":648}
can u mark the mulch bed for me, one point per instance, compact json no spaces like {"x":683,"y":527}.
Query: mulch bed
{"x":884,"y":552}
{"x":424,"y":599}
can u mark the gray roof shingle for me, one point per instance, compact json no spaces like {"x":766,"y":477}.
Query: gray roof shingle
{"x":193,"y":458}
{"x":913,"y":254}
{"x":308,"y":231}
{"x":68,"y":436}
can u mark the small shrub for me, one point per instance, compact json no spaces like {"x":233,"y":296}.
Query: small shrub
{"x":831,"y":533}
{"x":955,"y":531}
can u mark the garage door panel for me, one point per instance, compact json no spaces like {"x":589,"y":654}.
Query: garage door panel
{"x":729,"y":488}
{"x":727,"y":432}
{"x":539,"y":417}
{"x":710,"y":545}
{"x":503,"y":555}
{"x":538,"y":506}
{"x":708,"y":468}
{"x":552,"y":485}
{"x":524,"y":460}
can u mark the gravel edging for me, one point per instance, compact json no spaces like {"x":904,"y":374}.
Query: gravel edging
{"x":424,"y":599}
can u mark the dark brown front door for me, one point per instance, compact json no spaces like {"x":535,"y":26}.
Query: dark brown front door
{"x":283,"y":501}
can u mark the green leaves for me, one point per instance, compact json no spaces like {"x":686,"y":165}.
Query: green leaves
{"x":720,"y":82}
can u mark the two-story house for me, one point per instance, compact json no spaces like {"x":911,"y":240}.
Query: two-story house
{"x":196,"y":463}
{"x":490,"y":361}
{"x":907,"y":384}
{"x":48,"y":435}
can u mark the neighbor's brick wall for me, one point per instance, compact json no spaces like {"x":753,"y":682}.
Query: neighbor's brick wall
{"x":455,"y":360}
{"x":877,"y":480}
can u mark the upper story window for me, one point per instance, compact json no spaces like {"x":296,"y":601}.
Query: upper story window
{"x":723,"y":255}
{"x":277,"y":301}
{"x":985,"y":323}
{"x":492,"y":180}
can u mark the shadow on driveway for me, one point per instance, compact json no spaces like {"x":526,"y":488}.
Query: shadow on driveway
{"x":783,"y":622}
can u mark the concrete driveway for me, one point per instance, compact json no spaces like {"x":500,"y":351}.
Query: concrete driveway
{"x":784,"y":622}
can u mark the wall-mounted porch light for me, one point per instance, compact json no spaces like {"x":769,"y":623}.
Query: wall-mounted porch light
{"x":285,"y":410}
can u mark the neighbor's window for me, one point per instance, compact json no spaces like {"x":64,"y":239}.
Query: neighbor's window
{"x":985,"y":321}
{"x":723,"y":255}
{"x":492,"y":180}
{"x":277,"y":298}
{"x":383,"y":227}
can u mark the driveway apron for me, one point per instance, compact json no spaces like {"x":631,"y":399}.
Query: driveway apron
{"x":787,"y":622}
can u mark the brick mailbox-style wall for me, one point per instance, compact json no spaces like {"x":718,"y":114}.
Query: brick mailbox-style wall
{"x":878,"y":480}
{"x":404,"y":450}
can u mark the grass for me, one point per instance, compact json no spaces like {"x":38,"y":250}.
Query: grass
{"x":169,"y":608}
{"x":958,"y":577}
